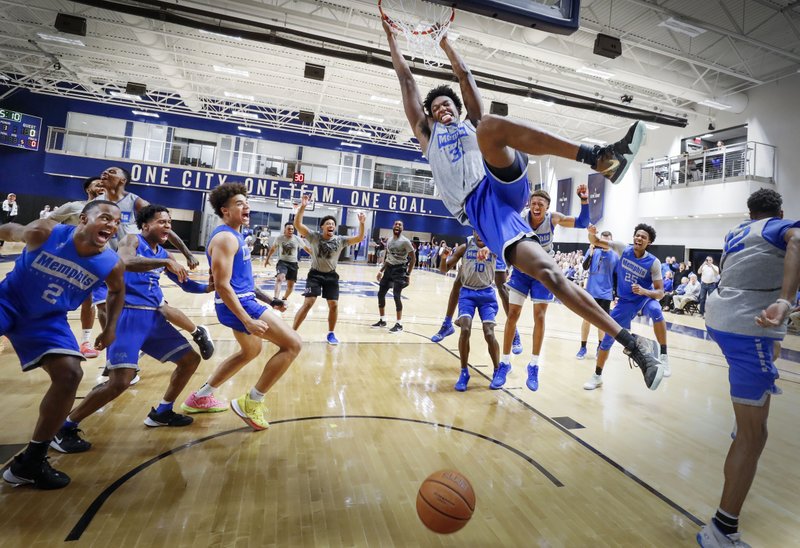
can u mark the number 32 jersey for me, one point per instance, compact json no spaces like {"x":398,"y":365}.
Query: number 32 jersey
{"x":54,"y":279}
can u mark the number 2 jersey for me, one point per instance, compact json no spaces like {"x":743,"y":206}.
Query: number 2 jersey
{"x":54,"y":279}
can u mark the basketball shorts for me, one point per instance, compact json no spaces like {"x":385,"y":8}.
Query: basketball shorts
{"x":322,"y":283}
{"x":493,"y":210}
{"x":227,"y":318}
{"x":395,"y":276}
{"x":148,"y":331}
{"x":605,"y":304}
{"x":99,"y":294}
{"x":500,"y":265}
{"x":35,"y":338}
{"x":751,"y":367}
{"x":521,"y":286}
{"x":288,"y":269}
{"x":626,"y":311}
{"x":484,"y":300}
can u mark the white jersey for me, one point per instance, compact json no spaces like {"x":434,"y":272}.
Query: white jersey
{"x":127,"y":223}
{"x":476,"y":274}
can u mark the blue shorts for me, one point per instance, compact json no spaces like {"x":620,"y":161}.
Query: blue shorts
{"x":227,"y":318}
{"x":626,"y":311}
{"x":99,"y":294}
{"x":484,"y":300}
{"x":751,"y":371}
{"x":500,"y":265}
{"x":494,"y":207}
{"x":148,"y":331}
{"x":524,"y":285}
{"x":34,"y":338}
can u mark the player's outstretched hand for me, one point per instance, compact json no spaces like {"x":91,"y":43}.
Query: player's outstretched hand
{"x":257,"y":327}
{"x":483,"y":253}
{"x":362,"y":217}
{"x":773,"y":316}
{"x":591,"y":229}
{"x":104,"y":339}
{"x":583,"y":192}
{"x":178,"y":269}
{"x":387,"y":28}
{"x":305,"y":200}
{"x":192,"y":262}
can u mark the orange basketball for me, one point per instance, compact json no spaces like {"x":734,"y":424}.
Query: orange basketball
{"x":445,"y":501}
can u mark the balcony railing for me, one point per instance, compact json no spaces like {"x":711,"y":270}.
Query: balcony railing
{"x":739,"y":162}
{"x":208,"y":156}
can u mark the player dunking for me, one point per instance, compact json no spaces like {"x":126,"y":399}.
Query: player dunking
{"x":56,"y":271}
{"x":481,"y":174}
{"x":395,"y":272}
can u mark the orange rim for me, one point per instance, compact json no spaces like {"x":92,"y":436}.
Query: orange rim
{"x":425,"y":32}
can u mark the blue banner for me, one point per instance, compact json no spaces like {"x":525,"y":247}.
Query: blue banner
{"x":180,"y":178}
{"x":564,"y":197}
{"x":597,"y":191}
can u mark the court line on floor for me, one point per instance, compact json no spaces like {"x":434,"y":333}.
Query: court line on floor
{"x":86,"y":519}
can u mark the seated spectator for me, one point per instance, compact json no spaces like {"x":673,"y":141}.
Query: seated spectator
{"x":666,"y":300}
{"x":691,"y":294}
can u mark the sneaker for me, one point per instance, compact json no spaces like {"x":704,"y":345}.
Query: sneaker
{"x":516,"y":345}
{"x":652,"y":369}
{"x":665,"y":360}
{"x":251,"y":412}
{"x":378,"y":325}
{"x":533,"y":378}
{"x":463,"y":379}
{"x":88,"y":350}
{"x":203,"y":339}
{"x":711,"y":537}
{"x":68,"y":440}
{"x":40,"y":475}
{"x":581,"y":353}
{"x":167,"y":418}
{"x":444,"y":331}
{"x":136,"y":378}
{"x":332,"y":340}
{"x":500,"y":375}
{"x":396,"y":329}
{"x":203,"y":404}
{"x":614,"y":160}
{"x":595,"y":381}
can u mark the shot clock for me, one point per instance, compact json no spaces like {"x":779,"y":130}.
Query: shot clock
{"x":19,"y":130}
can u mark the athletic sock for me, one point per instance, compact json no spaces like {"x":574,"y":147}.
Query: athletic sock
{"x":205,"y":390}
{"x":583,"y":344}
{"x":255,"y":395}
{"x":586,"y":154}
{"x":725,"y":522}
{"x":505,"y":358}
{"x":36,"y":451}
{"x":195,"y":332}
{"x":448,"y":321}
{"x":383,"y":319}
{"x":534,"y":360}
{"x":87,"y":334}
{"x":598,"y":371}
{"x":164,"y":406}
{"x":625,"y":338}
{"x":663,"y":348}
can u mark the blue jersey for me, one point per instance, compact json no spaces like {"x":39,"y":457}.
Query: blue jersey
{"x":142,"y":289}
{"x":54,"y":278}
{"x":600,"y":284}
{"x":633,"y":270}
{"x":242,"y":271}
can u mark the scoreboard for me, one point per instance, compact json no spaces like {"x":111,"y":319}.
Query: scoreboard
{"x":19,"y":130}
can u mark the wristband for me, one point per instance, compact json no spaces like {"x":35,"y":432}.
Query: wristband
{"x":787,"y":303}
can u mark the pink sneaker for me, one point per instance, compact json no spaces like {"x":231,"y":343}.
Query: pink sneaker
{"x":203,"y":404}
{"x":88,"y":350}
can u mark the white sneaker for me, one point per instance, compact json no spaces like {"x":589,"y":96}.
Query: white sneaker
{"x":711,"y":537}
{"x":665,"y":360}
{"x":594,"y":382}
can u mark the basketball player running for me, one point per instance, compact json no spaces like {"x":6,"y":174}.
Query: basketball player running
{"x":760,"y":275}
{"x":477,"y":275}
{"x":639,"y":288}
{"x":289,"y":245}
{"x":395,"y":272}
{"x":142,"y":328}
{"x":56,"y":271}
{"x":326,"y":246}
{"x":237,"y":308}
{"x":600,"y":264}
{"x":521,"y":285}
{"x":481,"y":175}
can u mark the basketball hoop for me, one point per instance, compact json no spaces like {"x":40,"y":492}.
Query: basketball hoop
{"x":422,"y":23}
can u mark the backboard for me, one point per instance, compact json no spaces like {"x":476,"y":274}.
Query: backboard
{"x":556,"y":16}
{"x":289,"y":198}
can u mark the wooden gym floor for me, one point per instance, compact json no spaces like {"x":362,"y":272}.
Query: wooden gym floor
{"x":356,"y":428}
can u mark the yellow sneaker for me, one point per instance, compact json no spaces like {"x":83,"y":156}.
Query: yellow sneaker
{"x":251,"y":412}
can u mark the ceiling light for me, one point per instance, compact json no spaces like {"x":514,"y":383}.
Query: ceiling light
{"x":359,"y":133}
{"x":100,"y":73}
{"x":145,"y":113}
{"x":250,"y":129}
{"x":684,"y":28}
{"x":597,"y":73}
{"x":386,"y":100}
{"x":123,"y":95}
{"x":4,"y":77}
{"x":230,"y":70}
{"x":371,"y":118}
{"x":235,"y":95}
{"x":707,"y":136}
{"x":595,"y":141}
{"x":541,"y":102}
{"x":356,"y":145}
{"x":220,"y":35}
{"x":715,"y":104}
{"x":243,"y":114}
{"x":652,"y":126}
{"x":61,"y":39}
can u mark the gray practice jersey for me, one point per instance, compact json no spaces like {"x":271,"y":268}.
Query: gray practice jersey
{"x":397,"y":250}
{"x":544,"y":231}
{"x":69,"y":213}
{"x":456,"y":163}
{"x":476,"y":274}
{"x":325,"y":253}
{"x":752,"y":275}
{"x":288,"y":248}
{"x":127,"y":223}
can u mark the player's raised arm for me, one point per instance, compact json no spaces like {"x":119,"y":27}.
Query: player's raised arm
{"x":469,"y":89}
{"x":362,"y":218}
{"x":582,"y":220}
{"x":298,"y":218}
{"x":449,"y":260}
{"x":412,"y":101}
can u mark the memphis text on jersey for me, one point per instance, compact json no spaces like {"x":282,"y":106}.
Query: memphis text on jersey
{"x":63,"y":269}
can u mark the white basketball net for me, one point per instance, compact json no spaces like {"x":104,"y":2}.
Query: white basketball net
{"x":423,"y":24}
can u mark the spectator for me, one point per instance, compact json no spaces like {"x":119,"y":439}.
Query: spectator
{"x":10,"y":210}
{"x":691,"y":294}
{"x":709,"y":276}
{"x":666,"y":300}
{"x":45,"y":213}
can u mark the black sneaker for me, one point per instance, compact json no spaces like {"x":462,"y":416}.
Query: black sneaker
{"x":619,"y":155}
{"x":203,"y":339}
{"x":67,"y":440}
{"x":396,"y":329}
{"x":652,"y":369}
{"x":39,"y":475}
{"x":379,"y":324}
{"x":167,"y":418}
